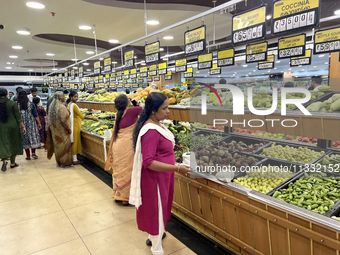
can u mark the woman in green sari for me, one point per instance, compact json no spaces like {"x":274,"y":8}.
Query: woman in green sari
{"x":10,"y":135}
{"x":58,"y":135}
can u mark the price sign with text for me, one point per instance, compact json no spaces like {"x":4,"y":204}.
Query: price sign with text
{"x":129,"y":59}
{"x":269,"y":64}
{"x":126,"y":74}
{"x":294,"y":46}
{"x":249,"y":26}
{"x":149,"y":79}
{"x":143,"y":71}
{"x":215,"y":70}
{"x":72,"y":75}
{"x":96,"y":67}
{"x":81,"y":72}
{"x":195,"y":41}
{"x":152,"y":70}
{"x":156,"y":78}
{"x":189,"y":73}
{"x":152,"y":52}
{"x":107,"y":65}
{"x":226,"y":57}
{"x":326,"y":41}
{"x":205,"y":61}
{"x":162,"y":68}
{"x":133,"y":73}
{"x":256,"y":52}
{"x":293,"y":15}
{"x":168,"y":76}
{"x":181,"y":65}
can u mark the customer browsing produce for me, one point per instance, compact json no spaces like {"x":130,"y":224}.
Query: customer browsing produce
{"x":120,"y":157}
{"x":152,"y":181}
{"x":75,"y":117}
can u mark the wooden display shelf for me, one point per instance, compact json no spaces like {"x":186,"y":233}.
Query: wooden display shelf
{"x":107,"y":107}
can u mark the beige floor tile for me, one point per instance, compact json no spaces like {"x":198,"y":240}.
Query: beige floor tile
{"x":68,"y":179}
{"x":184,"y":251}
{"x":19,"y":174}
{"x":83,"y":194}
{"x":75,"y":247}
{"x":36,"y":234}
{"x":131,"y":241}
{"x":27,"y":208}
{"x":97,"y":216}
{"x":25,"y":188}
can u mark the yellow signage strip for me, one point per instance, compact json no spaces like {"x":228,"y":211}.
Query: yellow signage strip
{"x":293,"y":46}
{"x":129,"y":55}
{"x":326,"y":41}
{"x":303,"y":60}
{"x":195,"y":40}
{"x":256,"y":52}
{"x":215,"y":70}
{"x":226,"y":57}
{"x":181,"y":65}
{"x":96,"y":64}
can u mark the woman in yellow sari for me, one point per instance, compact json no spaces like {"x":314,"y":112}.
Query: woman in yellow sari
{"x":121,"y":154}
{"x":76,"y":117}
{"x":58,"y":136}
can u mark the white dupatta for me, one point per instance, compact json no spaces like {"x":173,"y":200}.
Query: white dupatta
{"x":135,"y":190}
{"x":72,"y":121}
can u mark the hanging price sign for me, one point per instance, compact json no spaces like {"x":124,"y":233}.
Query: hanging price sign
{"x":256,"y":52}
{"x":168,"y":76}
{"x":156,"y":78}
{"x":249,"y":26}
{"x":81,"y":72}
{"x":107,"y":65}
{"x":189,"y":73}
{"x":162,"y":68}
{"x":96,"y":67}
{"x":294,"y":46}
{"x":225,"y":57}
{"x":326,"y":41}
{"x":293,"y":15}
{"x":72,"y":75}
{"x":143,"y":71}
{"x":215,"y":70}
{"x":195,"y":40}
{"x":149,"y":79}
{"x":302,"y":61}
{"x":129,"y":59}
{"x":152,"y":70}
{"x":126,"y":74}
{"x":181,"y":65}
{"x":152,"y":52}
{"x":205,"y":61}
{"x":269,"y":64}
{"x":133,"y":73}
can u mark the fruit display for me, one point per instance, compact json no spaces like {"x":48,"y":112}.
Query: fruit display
{"x":141,"y":94}
{"x":97,"y":127}
{"x":314,"y":191}
{"x":300,"y":154}
{"x":175,"y":95}
{"x":241,"y":146}
{"x":264,"y":179}
{"x":82,"y":96}
{"x":181,"y":128}
{"x":331,"y":163}
{"x":330,"y":105}
{"x":211,"y":155}
{"x":103,"y":96}
{"x":336,"y":144}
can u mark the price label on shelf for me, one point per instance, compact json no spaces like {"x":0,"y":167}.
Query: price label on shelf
{"x":215,"y":70}
{"x":205,"y":61}
{"x":181,"y":65}
{"x":152,"y":52}
{"x":249,"y":26}
{"x":294,"y":46}
{"x":269,"y":64}
{"x":326,"y":41}
{"x":293,"y":15}
{"x":189,"y":73}
{"x":225,"y":57}
{"x":302,"y":61}
{"x":195,"y":41}
{"x":162,"y":68}
{"x":256,"y":52}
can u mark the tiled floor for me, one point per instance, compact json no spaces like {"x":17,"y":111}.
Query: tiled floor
{"x":48,"y":211}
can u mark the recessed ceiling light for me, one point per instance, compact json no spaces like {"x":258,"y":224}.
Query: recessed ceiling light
{"x":113,"y":41}
{"x":143,"y":61}
{"x":302,"y":69}
{"x":244,"y":65}
{"x":17,"y":47}
{"x":321,"y":56}
{"x":161,"y":49}
{"x":197,"y":71}
{"x":8,"y":67}
{"x":89,"y":70}
{"x":326,"y":63}
{"x":30,"y":70}
{"x":114,"y":62}
{"x":143,"y":64}
{"x":50,"y":54}
{"x":135,"y":56}
{"x":314,"y":66}
{"x":269,"y":17}
{"x":85,"y":64}
{"x":254,"y":70}
{"x":100,"y":58}
{"x":289,"y":69}
{"x":152,"y":22}
{"x":13,"y":56}
{"x":262,"y":73}
{"x":90,"y":52}
{"x":278,"y":61}
{"x":219,"y":76}
{"x":54,"y":69}
{"x":168,"y":37}
{"x":84,"y":27}
{"x":74,"y":59}
{"x":8,"y":63}
{"x":275,"y":68}
{"x":205,"y":76}
{"x":23,"y":32}
{"x":35,"y":5}
{"x":268,"y":71}
{"x":75,"y":67}
{"x":249,"y":73}
{"x":337,"y":12}
{"x":165,"y":59}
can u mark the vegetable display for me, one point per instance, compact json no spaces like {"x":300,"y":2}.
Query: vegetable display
{"x":96,"y":127}
{"x":330,"y":105}
{"x":315,"y":192}
{"x":264,"y":180}
{"x":241,"y":146}
{"x":301,"y":155}
{"x":331,"y":163}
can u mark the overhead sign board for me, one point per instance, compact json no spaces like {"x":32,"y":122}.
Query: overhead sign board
{"x":302,"y":61}
{"x":215,"y":70}
{"x":181,"y":65}
{"x":96,"y":67}
{"x":168,"y":76}
{"x":269,"y":64}
{"x":195,"y":40}
{"x":226,"y":57}
{"x":152,"y":70}
{"x":107,"y":65}
{"x":129,"y":59}
{"x":205,"y":61}
{"x":294,"y":46}
{"x":326,"y":41}
{"x":256,"y":52}
{"x":162,"y":68}
{"x":152,"y":52}
{"x":189,"y":73}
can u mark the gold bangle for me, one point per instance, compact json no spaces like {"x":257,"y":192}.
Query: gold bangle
{"x":178,"y":167}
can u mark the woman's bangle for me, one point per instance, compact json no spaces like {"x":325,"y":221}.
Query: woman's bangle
{"x":178,"y":167}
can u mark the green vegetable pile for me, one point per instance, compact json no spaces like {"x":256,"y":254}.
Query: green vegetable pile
{"x":181,"y":128}
{"x":315,"y":192}
{"x":96,"y":127}
{"x":331,"y":163}
{"x":185,"y":141}
{"x":264,"y":180}
{"x":197,"y":141}
{"x":301,"y":155}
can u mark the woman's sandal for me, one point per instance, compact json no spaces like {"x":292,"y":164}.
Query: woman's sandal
{"x":78,"y":162}
{"x":149,"y":243}
{"x":35,"y":156}
{"x":4,"y":166}
{"x":28,"y":158}
{"x":15,"y":165}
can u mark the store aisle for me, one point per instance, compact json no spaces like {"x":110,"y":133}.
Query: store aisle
{"x":45,"y":210}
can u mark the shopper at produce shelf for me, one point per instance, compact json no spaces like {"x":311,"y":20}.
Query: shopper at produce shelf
{"x":58,"y":139}
{"x":75,"y":117}
{"x":10,"y":95}
{"x":34,"y":93}
{"x":42,"y":114}
{"x":17,"y":90}
{"x":10,"y":136}
{"x":316,"y":83}
{"x":120,"y":156}
{"x":127,"y":91}
{"x":49,"y":101}
{"x":31,"y":138}
{"x":152,"y":181}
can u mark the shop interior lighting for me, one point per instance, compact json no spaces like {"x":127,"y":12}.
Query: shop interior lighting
{"x":114,"y":62}
{"x":17,"y":47}
{"x":85,"y":64}
{"x":8,"y":63}
{"x":152,"y":22}
{"x":244,"y":65}
{"x":23,"y":32}
{"x":75,"y":67}
{"x":50,"y":54}
{"x":168,"y":37}
{"x":89,"y":70}
{"x":100,"y":59}
{"x":278,"y":61}
{"x":84,"y":27}
{"x":161,"y":49}
{"x":197,"y":71}
{"x":13,"y":56}
{"x":269,"y":17}
{"x":113,"y":41}
{"x":54,"y":69}
{"x":74,"y":59}
{"x":90,"y":52}
{"x":35,"y":5}
{"x":30,"y":70}
{"x":321,"y":56}
{"x":326,"y":63}
{"x":337,"y":12}
{"x":8,"y":67}
{"x":289,"y":69}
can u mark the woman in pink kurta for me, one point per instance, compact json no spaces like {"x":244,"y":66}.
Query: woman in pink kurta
{"x":152,"y":181}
